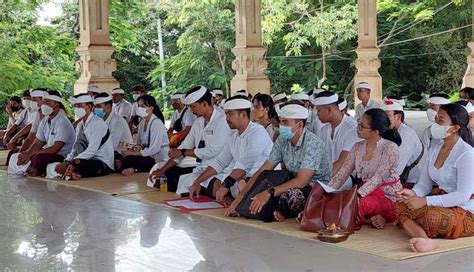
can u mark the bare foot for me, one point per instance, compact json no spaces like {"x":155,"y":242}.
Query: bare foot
{"x":378,"y":221}
{"x":75,"y":176}
{"x":227,"y":201}
{"x":31,"y":172}
{"x":421,"y":245}
{"x":128,"y":172}
{"x":278,"y":216}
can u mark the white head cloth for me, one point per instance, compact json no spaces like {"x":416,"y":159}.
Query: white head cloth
{"x":469,"y":107}
{"x":318,"y":90}
{"x":325,"y":100}
{"x":195,"y":96}
{"x":81,"y":99}
{"x":37,"y":93}
{"x":53,"y":98}
{"x":218,"y":92}
{"x":237,"y":104}
{"x":391,"y":105}
{"x":438,"y":100}
{"x":118,"y":91}
{"x":179,"y":96}
{"x":93,"y":89}
{"x":363,"y":85}
{"x":279,"y":96}
{"x":342,"y":105}
{"x":300,"y":96}
{"x":101,"y":100}
{"x":292,"y":111}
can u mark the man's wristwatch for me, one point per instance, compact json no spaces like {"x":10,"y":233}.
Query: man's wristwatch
{"x":228,"y":182}
{"x":271,"y":190}
{"x":183,"y":152}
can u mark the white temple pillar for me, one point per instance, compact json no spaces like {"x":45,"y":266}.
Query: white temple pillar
{"x":249,"y":63}
{"x":95,"y":51}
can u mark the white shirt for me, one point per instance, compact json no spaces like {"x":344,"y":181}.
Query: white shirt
{"x":454,"y":177}
{"x":119,"y":131}
{"x":188,"y":118}
{"x":21,"y":118}
{"x":59,"y":129}
{"x":214,"y":134}
{"x":247,"y":151}
{"x":36,"y":119}
{"x":345,"y":136}
{"x":360,"y":109}
{"x":269,"y":130}
{"x":427,"y":139}
{"x":122,"y":109}
{"x":95,"y":129}
{"x":313,"y":123}
{"x":410,"y":150}
{"x":133,"y":111}
{"x":155,"y":137}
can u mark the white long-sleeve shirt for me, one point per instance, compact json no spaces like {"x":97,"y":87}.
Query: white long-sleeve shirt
{"x":410,"y":150}
{"x":188,"y":118}
{"x":95,"y":129}
{"x":360,"y":109}
{"x":155,"y":138}
{"x":344,"y":138}
{"x":454,"y":177}
{"x":313,"y":123}
{"x":123,"y":109}
{"x":214,"y":135}
{"x":119,"y":131}
{"x":247,"y":151}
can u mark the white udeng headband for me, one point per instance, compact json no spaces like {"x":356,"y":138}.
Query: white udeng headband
{"x":53,"y":98}
{"x":469,"y":107}
{"x":118,"y":91}
{"x":318,"y":90}
{"x":325,"y":100}
{"x":342,"y":105}
{"x":37,"y":93}
{"x":363,"y":85}
{"x":195,"y":96}
{"x":237,"y":104}
{"x":438,"y":100}
{"x":93,"y":89}
{"x":292,"y":111}
{"x":81,"y":99}
{"x":391,"y":105}
{"x":177,"y":96}
{"x":218,"y":92}
{"x":101,"y":100}
{"x":300,"y":96}
{"x":279,"y":96}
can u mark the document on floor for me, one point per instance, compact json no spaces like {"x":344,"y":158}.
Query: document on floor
{"x":199,"y":203}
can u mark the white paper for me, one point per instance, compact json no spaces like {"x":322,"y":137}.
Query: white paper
{"x":189,"y":204}
{"x":327,"y":188}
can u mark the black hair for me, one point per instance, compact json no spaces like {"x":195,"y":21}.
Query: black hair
{"x":265,"y":100}
{"x":104,"y":95}
{"x":150,"y":101}
{"x":469,"y":91}
{"x":207,"y":97}
{"x":459,"y":116}
{"x":379,"y":121}
{"x":139,"y":88}
{"x":247,"y":111}
{"x":16,"y":99}
{"x":328,"y":94}
{"x":402,"y":115}
{"x":295,"y":102}
{"x":26,"y":93}
{"x":443,"y":95}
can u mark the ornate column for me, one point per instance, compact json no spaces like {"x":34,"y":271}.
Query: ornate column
{"x":95,"y":51}
{"x":468,"y":80}
{"x":368,"y":62}
{"x":249,"y":63}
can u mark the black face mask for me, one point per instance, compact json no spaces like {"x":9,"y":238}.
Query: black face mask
{"x":14,"y":108}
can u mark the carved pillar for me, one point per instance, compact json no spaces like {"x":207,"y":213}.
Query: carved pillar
{"x":95,"y":51}
{"x":368,"y":62}
{"x":249,"y":63}
{"x":468,"y":80}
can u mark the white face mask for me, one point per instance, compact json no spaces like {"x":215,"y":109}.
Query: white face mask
{"x":142,"y":112}
{"x":439,"y":132}
{"x":431,"y":114}
{"x":79,"y":112}
{"x":34,"y":106}
{"x":135,"y":96}
{"x":26,"y":104}
{"x":46,"y":110}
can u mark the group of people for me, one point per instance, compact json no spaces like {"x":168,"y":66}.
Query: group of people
{"x":219,"y":147}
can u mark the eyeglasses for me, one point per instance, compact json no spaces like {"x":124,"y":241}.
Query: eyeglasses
{"x":361,"y":127}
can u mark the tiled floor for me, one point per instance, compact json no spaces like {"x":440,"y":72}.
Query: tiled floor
{"x":44,"y":227}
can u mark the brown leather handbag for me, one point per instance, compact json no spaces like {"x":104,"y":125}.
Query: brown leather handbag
{"x":324,"y":209}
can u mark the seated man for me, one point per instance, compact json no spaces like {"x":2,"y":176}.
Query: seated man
{"x":93,"y":153}
{"x":181,"y":121}
{"x":219,"y":97}
{"x":434,"y":103}
{"x":54,"y":140}
{"x":204,"y":142}
{"x":363,"y":93}
{"x":118,"y":127}
{"x":17,"y":117}
{"x":121,"y":107}
{"x":244,"y":152}
{"x":339,"y":132}
{"x":302,"y":153}
{"x":411,"y":150}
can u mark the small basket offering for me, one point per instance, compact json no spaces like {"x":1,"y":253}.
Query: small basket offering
{"x":131,"y":147}
{"x":333,"y":234}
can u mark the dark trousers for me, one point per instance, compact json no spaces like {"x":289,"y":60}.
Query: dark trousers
{"x":139,"y":163}
{"x":40,"y":161}
{"x":90,"y":168}
{"x":173,"y":175}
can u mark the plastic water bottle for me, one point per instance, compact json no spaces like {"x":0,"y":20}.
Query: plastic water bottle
{"x":163,"y":183}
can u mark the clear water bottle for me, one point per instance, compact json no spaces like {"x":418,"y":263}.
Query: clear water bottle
{"x":163,"y":183}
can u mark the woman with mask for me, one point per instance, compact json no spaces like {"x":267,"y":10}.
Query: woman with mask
{"x":374,"y":162}
{"x":16,"y":118}
{"x":447,"y":211}
{"x":262,"y":112}
{"x":152,"y":137}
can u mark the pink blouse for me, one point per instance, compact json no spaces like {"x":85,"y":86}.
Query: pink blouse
{"x":380,"y":171}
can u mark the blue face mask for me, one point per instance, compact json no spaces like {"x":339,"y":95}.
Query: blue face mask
{"x":99,"y":112}
{"x":286,"y":132}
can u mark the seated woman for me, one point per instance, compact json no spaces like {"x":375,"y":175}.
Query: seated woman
{"x":152,"y":137}
{"x":374,"y":161}
{"x":448,"y":211}
{"x":262,"y":111}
